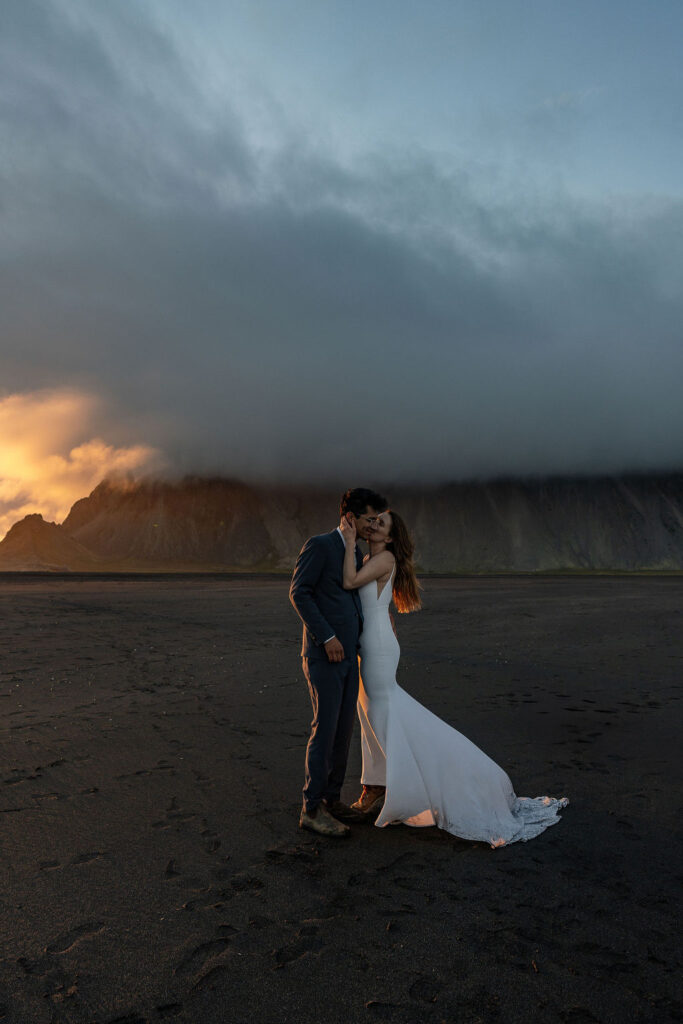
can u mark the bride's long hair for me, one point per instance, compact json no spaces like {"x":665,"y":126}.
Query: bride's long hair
{"x":406,"y":589}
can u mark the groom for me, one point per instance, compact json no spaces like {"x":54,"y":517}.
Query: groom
{"x":333,"y":621}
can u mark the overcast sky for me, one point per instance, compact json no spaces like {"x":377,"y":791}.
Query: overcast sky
{"x":370,"y":240}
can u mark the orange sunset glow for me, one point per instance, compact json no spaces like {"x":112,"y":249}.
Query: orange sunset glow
{"x":50,"y":455}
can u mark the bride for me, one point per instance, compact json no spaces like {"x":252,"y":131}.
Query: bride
{"x":416,"y":768}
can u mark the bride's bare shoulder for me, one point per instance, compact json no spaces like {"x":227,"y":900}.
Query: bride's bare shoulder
{"x":386,"y":558}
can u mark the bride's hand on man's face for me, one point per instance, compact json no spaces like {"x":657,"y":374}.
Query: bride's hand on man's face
{"x":348,"y":529}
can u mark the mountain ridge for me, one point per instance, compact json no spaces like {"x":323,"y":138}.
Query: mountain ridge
{"x":627,"y":523}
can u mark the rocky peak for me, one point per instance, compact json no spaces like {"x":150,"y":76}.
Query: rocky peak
{"x":33,"y":543}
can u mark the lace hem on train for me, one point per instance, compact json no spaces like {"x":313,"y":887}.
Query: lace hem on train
{"x":533,"y":815}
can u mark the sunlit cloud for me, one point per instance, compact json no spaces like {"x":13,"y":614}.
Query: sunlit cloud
{"x":49,"y":457}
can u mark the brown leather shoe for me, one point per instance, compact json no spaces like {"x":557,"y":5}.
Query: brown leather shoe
{"x":342,"y":812}
{"x":370,"y":802}
{"x":322,"y":822}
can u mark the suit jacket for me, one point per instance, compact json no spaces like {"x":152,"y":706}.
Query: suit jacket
{"x":321,"y":602}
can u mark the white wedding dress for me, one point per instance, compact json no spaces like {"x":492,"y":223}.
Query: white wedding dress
{"x":433,"y":774}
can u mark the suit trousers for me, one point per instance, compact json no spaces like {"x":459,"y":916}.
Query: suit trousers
{"x":333,"y":688}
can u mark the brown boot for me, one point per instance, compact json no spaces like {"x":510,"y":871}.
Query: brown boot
{"x":370,"y":802}
{"x":342,"y":811}
{"x":321,"y":821}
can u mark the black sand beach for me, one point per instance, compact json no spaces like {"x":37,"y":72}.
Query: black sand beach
{"x":153,"y":870}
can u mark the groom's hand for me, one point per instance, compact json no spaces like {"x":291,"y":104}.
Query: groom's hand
{"x":348,"y":529}
{"x":335,"y":651}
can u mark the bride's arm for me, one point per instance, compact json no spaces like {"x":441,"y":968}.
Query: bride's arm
{"x":375,"y":567}
{"x":349,"y":570}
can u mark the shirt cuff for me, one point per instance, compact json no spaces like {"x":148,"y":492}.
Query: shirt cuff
{"x":328,"y":639}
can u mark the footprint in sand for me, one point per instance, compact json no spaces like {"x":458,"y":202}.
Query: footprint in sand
{"x":130,"y":1018}
{"x":169,"y":1010}
{"x":425,"y":989}
{"x":86,"y":858}
{"x":200,"y":956}
{"x":66,"y":942}
{"x":306,"y":943}
{"x":381,"y":1011}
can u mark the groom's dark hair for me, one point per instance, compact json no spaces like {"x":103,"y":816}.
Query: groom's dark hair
{"x":358,"y":499}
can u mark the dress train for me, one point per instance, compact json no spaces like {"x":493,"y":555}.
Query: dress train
{"x":433,"y":774}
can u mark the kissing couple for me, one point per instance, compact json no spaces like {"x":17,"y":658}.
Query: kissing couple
{"x":417,"y":769}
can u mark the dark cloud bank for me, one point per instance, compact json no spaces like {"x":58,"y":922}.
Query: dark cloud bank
{"x":282,"y":315}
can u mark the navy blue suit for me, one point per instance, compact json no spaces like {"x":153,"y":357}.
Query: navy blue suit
{"x":327,"y":610}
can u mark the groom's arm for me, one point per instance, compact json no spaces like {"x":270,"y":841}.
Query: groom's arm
{"x":307,"y":572}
